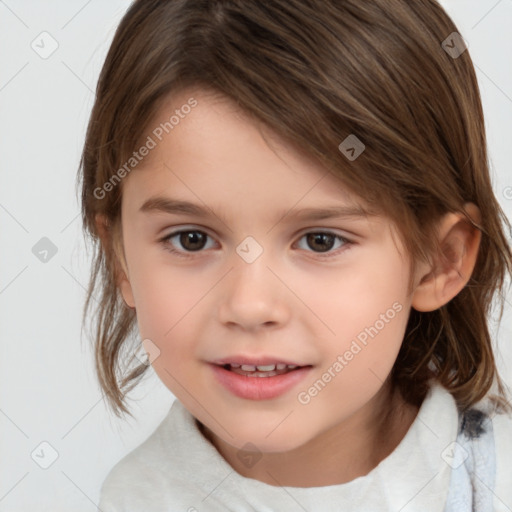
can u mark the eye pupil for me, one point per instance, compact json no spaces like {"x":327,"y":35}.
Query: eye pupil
{"x":190,"y":240}
{"x":315,"y":238}
{"x":195,"y":241}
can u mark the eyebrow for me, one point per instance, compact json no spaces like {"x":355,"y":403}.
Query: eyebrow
{"x":175,"y":206}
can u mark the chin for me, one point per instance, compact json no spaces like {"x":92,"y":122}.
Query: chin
{"x":284,"y":442}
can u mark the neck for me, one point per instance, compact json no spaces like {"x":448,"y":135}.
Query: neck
{"x":349,"y":450}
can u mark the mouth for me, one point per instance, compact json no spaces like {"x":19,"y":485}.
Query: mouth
{"x":258,"y":381}
{"x":261,"y":370}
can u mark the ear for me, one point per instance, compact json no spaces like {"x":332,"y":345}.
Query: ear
{"x":111,"y":240}
{"x":459,"y":242}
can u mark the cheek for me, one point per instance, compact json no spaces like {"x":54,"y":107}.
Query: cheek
{"x":168,"y":303}
{"x":366,"y":312}
{"x":163,"y":295}
{"x":355,"y":299}
{"x":358,"y":363}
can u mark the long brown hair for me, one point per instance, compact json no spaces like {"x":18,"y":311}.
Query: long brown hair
{"x":315,"y":72}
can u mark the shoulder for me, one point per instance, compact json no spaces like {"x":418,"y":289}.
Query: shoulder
{"x":502,"y":429}
{"x":129,"y":483}
{"x":480,"y":460}
{"x":134,"y":479}
{"x":486,"y":440}
{"x":149,"y":476}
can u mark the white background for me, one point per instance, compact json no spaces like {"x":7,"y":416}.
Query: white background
{"x":48,"y":390}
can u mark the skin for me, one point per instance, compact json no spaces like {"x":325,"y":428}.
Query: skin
{"x":290,"y":302}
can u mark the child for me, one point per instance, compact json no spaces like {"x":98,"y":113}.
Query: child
{"x":294,"y":209}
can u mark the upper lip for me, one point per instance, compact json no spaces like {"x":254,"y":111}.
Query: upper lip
{"x":255,"y":360}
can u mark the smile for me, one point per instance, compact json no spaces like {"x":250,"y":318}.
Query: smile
{"x":269,"y":370}
{"x":272,"y":382}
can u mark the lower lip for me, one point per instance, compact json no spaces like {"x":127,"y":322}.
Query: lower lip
{"x":259,"y":388}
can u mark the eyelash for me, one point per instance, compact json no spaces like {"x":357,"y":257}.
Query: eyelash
{"x":190,"y":254}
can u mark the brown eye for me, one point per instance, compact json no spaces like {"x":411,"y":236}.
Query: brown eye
{"x":186,"y":241}
{"x":193,"y":240}
{"x":321,"y":241}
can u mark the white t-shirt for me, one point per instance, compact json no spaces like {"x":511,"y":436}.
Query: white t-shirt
{"x":445,"y":463}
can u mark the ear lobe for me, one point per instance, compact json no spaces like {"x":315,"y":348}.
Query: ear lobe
{"x":112,"y":246}
{"x":126,"y":291}
{"x":459,"y":242}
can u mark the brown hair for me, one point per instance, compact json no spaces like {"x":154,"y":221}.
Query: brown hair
{"x":315,"y":71}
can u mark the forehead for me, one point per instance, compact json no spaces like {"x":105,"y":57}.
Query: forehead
{"x":215,"y":148}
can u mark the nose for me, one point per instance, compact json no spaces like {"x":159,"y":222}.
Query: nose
{"x":253,"y":297}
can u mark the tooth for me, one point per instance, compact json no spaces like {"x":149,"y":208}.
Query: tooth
{"x":280,"y":366}
{"x":248,"y":367}
{"x":267,"y":368}
{"x":234,"y":365}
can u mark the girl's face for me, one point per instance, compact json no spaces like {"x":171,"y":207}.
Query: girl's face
{"x":259,"y":274}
